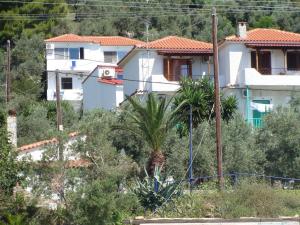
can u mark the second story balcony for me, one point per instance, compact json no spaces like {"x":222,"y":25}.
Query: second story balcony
{"x":71,"y":64}
{"x":254,"y":78}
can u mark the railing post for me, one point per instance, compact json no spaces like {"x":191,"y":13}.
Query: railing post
{"x":248,"y":105}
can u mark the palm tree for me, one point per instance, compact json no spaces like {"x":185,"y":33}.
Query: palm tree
{"x":151,"y":121}
{"x":200,"y":95}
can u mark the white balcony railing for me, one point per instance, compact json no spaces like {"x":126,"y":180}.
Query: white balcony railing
{"x":70,"y":95}
{"x":160,"y":84}
{"x":69,"y":64}
{"x":254,"y":78}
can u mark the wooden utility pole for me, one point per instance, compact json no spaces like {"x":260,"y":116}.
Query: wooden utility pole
{"x":60,"y":128}
{"x":217,"y":99}
{"x":58,"y":105}
{"x":8,"y":75}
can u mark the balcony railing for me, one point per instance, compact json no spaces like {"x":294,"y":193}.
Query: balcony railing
{"x":256,"y":122}
{"x":254,"y":78}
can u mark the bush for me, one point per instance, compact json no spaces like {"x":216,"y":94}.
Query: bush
{"x":248,"y":199}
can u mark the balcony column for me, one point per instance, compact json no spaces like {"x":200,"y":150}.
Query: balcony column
{"x":208,"y":67}
{"x":256,"y":59}
{"x":248,"y":108}
{"x":168,"y":68}
{"x":284,"y":60}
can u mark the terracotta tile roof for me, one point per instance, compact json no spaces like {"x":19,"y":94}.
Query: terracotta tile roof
{"x":102,"y":40}
{"x":78,"y":163}
{"x":42,"y":143}
{"x":262,"y":35}
{"x":112,"y":81}
{"x":178,"y":43}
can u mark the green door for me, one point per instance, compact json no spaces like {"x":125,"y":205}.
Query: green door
{"x":257,"y":115}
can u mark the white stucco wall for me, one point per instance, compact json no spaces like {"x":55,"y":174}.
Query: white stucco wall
{"x":36,"y":154}
{"x":132,"y":72}
{"x":100,"y":95}
{"x":74,"y":94}
{"x":91,"y":92}
{"x":277,"y":98}
{"x":150,"y":69}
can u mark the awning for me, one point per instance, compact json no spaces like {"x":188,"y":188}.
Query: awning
{"x":261,"y":107}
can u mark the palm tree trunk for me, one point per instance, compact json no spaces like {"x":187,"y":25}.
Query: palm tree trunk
{"x":157,"y":159}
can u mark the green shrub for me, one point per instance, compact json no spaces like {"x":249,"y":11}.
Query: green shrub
{"x":248,"y":198}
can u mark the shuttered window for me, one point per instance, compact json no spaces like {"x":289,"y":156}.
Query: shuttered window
{"x":176,"y":69}
{"x":293,"y":60}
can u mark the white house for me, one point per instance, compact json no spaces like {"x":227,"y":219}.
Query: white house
{"x":35,"y":151}
{"x":76,"y":56}
{"x":261,"y":67}
{"x":159,"y":65}
{"x":102,"y":89}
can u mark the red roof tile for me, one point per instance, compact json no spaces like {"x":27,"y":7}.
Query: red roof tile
{"x":262,"y":35}
{"x":178,"y":43}
{"x":44,"y":142}
{"x":112,"y":81}
{"x":102,"y":40}
{"x":78,"y":163}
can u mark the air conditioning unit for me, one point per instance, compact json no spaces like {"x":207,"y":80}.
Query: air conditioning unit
{"x":108,"y":72}
{"x":49,"y":46}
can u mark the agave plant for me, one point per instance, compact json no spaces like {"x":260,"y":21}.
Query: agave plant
{"x":153,"y":192}
{"x":14,"y":220}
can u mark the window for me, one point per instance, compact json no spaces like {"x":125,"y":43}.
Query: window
{"x":293,"y":60}
{"x":110,"y":57}
{"x":264,"y":62}
{"x":74,"y":53}
{"x":175,"y":69}
{"x":69,"y":53}
{"x":61,"y":53}
{"x":81,"y":53}
{"x":66,"y":83}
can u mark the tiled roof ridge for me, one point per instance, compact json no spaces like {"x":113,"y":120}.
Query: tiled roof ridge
{"x":70,"y":37}
{"x":44,"y":142}
{"x":256,"y":30}
{"x":112,"y":81}
{"x":175,"y":38}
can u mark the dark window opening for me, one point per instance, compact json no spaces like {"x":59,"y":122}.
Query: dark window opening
{"x":81,"y":53}
{"x":264,"y":62}
{"x":293,"y":60}
{"x":110,"y":57}
{"x":66,"y":83}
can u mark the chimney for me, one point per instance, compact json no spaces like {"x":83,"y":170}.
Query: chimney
{"x":242,"y":29}
{"x":12,"y":127}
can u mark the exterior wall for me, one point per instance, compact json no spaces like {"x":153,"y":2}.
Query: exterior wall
{"x":108,"y":96}
{"x":74,"y":94}
{"x":100,"y":95}
{"x":277,"y":98}
{"x":91,"y":92}
{"x":132,"y":71}
{"x":150,"y":70}
{"x":119,"y":95}
{"x":224,"y":68}
{"x":234,"y":58}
